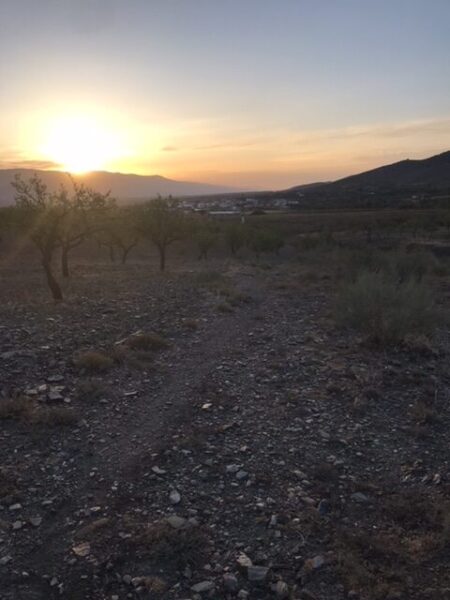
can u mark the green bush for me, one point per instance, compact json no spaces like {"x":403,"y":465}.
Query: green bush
{"x":385,"y":309}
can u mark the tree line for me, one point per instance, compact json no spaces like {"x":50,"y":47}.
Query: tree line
{"x":57,"y":222}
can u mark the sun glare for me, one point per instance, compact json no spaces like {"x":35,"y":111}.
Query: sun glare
{"x":80,"y":144}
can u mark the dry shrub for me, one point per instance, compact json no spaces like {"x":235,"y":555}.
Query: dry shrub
{"x":386,"y":310}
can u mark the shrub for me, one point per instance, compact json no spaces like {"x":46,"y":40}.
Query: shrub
{"x":384,"y":309}
{"x":413,"y":265}
{"x":265,"y":240}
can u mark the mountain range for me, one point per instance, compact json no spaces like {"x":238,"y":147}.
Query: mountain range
{"x":122,"y":186}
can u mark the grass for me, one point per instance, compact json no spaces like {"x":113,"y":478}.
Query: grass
{"x":384,"y":310}
{"x":93,"y":361}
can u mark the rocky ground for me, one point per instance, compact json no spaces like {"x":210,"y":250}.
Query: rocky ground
{"x":250,"y":449}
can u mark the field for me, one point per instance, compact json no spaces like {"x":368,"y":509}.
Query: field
{"x":236,"y":427}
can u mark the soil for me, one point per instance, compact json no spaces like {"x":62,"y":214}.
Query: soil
{"x":261,"y":453}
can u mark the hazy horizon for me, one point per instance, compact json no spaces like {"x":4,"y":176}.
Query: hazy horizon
{"x":254,"y":95}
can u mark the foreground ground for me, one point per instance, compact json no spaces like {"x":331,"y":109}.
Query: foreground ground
{"x":260,"y":453}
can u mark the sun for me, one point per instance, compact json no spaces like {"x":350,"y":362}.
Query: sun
{"x":79,"y":144}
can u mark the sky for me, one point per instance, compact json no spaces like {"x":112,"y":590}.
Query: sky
{"x":259,"y":94}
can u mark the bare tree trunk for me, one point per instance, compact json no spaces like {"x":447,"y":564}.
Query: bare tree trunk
{"x":51,"y":281}
{"x":65,"y":261}
{"x":162,"y":257}
{"x":112,"y":254}
{"x":126,"y":252}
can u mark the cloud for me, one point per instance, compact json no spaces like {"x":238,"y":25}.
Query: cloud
{"x":169,"y":149}
{"x":44,"y":165}
{"x":380,"y":131}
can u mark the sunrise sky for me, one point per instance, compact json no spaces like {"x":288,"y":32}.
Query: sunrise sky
{"x":247,"y":93}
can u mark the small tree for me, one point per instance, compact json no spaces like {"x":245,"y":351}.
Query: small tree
{"x":85,"y":210}
{"x":265,"y":240}
{"x":235,"y":237}
{"x":55,"y":220}
{"x":163,"y":224}
{"x":119,"y":230}
{"x":205,"y":235}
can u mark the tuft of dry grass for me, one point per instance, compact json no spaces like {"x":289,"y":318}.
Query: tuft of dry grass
{"x":423,"y":413}
{"x":27,"y":411}
{"x":15,"y":408}
{"x":93,"y":361}
{"x":413,"y":529}
{"x":224,"y":307}
{"x":7,"y":484}
{"x":53,"y":416}
{"x":90,"y":389}
{"x":159,"y":541}
{"x":147,"y":342}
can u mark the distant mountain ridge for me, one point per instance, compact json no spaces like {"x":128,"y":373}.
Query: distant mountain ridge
{"x":122,"y":186}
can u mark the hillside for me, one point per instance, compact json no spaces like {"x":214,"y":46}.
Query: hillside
{"x":398,"y":184}
{"x":122,"y":186}
{"x":430,"y":172}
